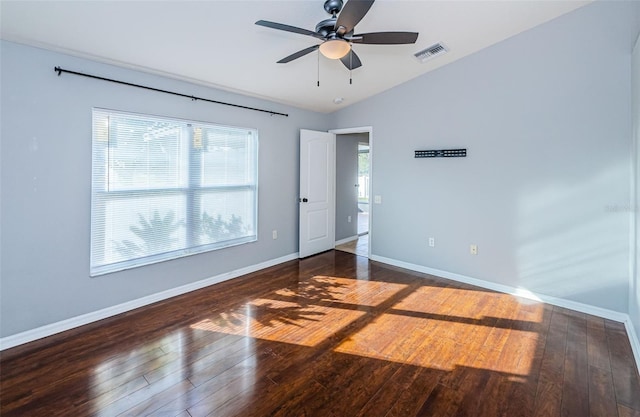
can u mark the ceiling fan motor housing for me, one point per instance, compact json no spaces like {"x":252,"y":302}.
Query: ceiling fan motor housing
{"x":326,"y":27}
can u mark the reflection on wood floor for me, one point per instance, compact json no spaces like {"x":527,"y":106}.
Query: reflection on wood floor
{"x":330,"y":335}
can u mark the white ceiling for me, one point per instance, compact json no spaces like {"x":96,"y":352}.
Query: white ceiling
{"x":216,"y":43}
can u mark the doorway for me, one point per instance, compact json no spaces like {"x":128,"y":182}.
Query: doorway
{"x":363,"y":188}
{"x":353,"y":185}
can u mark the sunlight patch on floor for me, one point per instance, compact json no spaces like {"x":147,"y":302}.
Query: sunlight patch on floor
{"x":281,"y":321}
{"x":342,"y":290}
{"x":430,"y":328}
{"x":448,"y":345}
{"x":427,"y":327}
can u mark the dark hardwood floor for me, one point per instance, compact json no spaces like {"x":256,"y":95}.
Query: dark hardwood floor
{"x":331,"y":335}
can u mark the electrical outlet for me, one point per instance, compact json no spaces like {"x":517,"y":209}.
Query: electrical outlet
{"x":274,"y":234}
{"x":432,"y":242}
{"x":348,"y":219}
{"x":473,"y":249}
{"x":377,"y":199}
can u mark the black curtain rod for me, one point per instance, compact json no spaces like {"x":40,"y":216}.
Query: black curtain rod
{"x":194,"y":98}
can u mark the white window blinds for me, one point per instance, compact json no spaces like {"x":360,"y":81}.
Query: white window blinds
{"x":165,"y":188}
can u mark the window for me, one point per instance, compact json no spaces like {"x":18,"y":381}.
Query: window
{"x":165,"y":188}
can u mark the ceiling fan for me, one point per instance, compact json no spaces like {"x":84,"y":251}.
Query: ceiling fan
{"x":337,"y":33}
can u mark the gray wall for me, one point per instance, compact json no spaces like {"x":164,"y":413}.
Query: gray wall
{"x":46,"y":185}
{"x":545,"y":117}
{"x":634,"y":284}
{"x":346,"y":179}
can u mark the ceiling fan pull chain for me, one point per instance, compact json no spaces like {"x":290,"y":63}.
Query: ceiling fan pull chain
{"x":318,"y":67}
{"x":350,"y":65}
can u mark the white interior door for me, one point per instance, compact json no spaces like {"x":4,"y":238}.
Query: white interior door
{"x":317,"y":192}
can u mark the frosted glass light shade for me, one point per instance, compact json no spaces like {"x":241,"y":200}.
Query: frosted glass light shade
{"x":335,"y":48}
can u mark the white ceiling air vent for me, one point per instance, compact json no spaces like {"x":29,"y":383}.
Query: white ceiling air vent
{"x":431,"y":52}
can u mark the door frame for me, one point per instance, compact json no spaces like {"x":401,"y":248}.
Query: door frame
{"x":369,"y":130}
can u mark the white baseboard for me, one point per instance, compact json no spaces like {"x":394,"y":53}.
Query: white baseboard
{"x":346,"y":240}
{"x":633,"y":339}
{"x":64,"y":325}
{"x":556,"y":301}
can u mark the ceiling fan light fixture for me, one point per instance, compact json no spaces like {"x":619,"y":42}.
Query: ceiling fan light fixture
{"x":335,"y":48}
{"x":337,"y":34}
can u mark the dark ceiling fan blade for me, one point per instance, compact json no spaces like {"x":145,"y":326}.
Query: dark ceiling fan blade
{"x":351,"y":60}
{"x":287,"y":28}
{"x":351,"y":14}
{"x":385,"y":38}
{"x":298,"y":54}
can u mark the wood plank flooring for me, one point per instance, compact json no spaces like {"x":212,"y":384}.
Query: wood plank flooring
{"x":359,"y":246}
{"x":331,"y":335}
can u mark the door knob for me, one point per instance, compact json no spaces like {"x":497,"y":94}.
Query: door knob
{"x":303,"y":200}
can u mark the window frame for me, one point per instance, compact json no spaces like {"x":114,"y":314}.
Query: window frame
{"x":191,"y":191}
